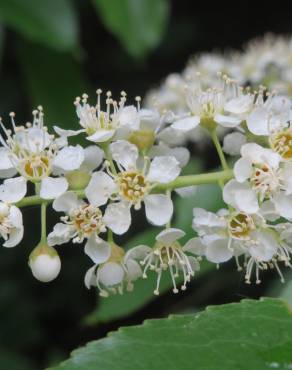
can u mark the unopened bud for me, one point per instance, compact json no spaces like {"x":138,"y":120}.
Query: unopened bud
{"x":77,"y":179}
{"x":45,"y":263}
{"x":143,"y":139}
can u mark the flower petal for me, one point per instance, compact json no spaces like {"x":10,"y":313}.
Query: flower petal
{"x":69,"y":158}
{"x":15,"y":237}
{"x":233,"y":142}
{"x":93,"y":157}
{"x":227,"y":121}
{"x":217,"y":251}
{"x":100,"y":188}
{"x":66,"y":202}
{"x":163,"y":169}
{"x":195,"y":246}
{"x":90,"y":277}
{"x":61,"y":234}
{"x":13,"y":190}
{"x":186,"y":124}
{"x":53,"y":187}
{"x":158,"y":208}
{"x":97,"y":249}
{"x":124,"y":153}
{"x":118,"y":217}
{"x":169,"y":236}
{"x":110,"y":274}
{"x":258,"y":122}
{"x":101,"y":136}
{"x":242,"y":169}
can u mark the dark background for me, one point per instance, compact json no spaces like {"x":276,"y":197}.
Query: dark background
{"x":40,"y":324}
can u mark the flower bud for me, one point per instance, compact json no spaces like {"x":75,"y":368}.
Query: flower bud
{"x":143,"y":139}
{"x":45,"y":263}
{"x":77,"y":179}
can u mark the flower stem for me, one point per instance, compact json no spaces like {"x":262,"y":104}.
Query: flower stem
{"x":218,"y":147}
{"x":179,"y":182}
{"x":44,"y":223}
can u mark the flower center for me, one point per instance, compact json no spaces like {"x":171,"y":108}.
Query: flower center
{"x":87,"y":219}
{"x":36,"y":167}
{"x":133,"y":186}
{"x":282,"y":143}
{"x":240,"y":225}
{"x":266,"y":181}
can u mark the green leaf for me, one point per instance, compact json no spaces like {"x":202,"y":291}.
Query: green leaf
{"x":52,"y":23}
{"x":251,"y":335}
{"x":53,"y":80}
{"x":114,"y":307}
{"x":138,"y":24}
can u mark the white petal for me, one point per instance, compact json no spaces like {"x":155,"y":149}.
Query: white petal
{"x":6,"y":174}
{"x":5,"y":162}
{"x":111,"y":273}
{"x":195,"y":246}
{"x":100,"y":188}
{"x":217,"y":251}
{"x":93,"y":157}
{"x":128,"y":116}
{"x":101,"y":136}
{"x":268,"y":211}
{"x":158,"y":208}
{"x":169,"y":236}
{"x":266,"y":247}
{"x":257,"y":154}
{"x":240,"y":196}
{"x":242,"y":169}
{"x":124,"y":153}
{"x":186,"y":124}
{"x":15,"y":237}
{"x":239,"y":105}
{"x":15,"y":217}
{"x":257,"y":122}
{"x":287,"y":175}
{"x":66,"y":133}
{"x":283,"y":205}
{"x":137,"y":253}
{"x":13,"y":190}
{"x":97,"y":249}
{"x":66,"y":202}
{"x":187,"y":191}
{"x":53,"y":187}
{"x":118,"y":217}
{"x":90,"y":277}
{"x":61,"y":234}
{"x":69,"y":158}
{"x":233,"y":142}
{"x":163,"y":169}
{"x":227,"y":121}
{"x":134,"y":270}
{"x":149,"y":119}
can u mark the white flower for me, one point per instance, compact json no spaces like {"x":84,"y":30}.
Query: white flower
{"x":102,"y":125}
{"x":35,"y":155}
{"x":226,"y":106}
{"x":167,"y":254}
{"x":113,"y":274}
{"x":11,"y":226}
{"x":269,"y":115}
{"x":240,"y":234}
{"x":132,"y":185}
{"x":86,"y":221}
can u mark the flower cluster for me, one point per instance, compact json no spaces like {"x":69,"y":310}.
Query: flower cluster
{"x":133,"y":163}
